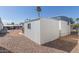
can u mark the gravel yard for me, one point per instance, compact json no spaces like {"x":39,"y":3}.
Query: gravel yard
{"x":15,"y":42}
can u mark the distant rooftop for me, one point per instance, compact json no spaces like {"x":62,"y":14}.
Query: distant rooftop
{"x":13,"y":25}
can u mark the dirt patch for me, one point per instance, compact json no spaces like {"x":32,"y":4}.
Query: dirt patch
{"x":17,"y":43}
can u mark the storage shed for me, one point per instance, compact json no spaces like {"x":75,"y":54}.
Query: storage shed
{"x":45,"y":29}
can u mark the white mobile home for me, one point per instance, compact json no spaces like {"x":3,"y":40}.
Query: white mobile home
{"x":64,"y":28}
{"x":44,"y":30}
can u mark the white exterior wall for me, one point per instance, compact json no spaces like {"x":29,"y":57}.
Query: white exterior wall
{"x":49,"y":30}
{"x":46,"y":30}
{"x":65,"y":28}
{"x":1,"y":25}
{"x":34,"y":32}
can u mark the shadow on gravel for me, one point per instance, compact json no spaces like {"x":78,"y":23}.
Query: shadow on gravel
{"x":3,"y":34}
{"x":4,"y":50}
{"x":62,"y":44}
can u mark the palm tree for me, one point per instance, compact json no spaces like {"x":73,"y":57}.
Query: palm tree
{"x":38,"y":8}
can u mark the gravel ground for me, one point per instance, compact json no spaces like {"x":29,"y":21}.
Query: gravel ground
{"x":15,"y":42}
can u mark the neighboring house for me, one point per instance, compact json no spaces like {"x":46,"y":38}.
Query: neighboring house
{"x":14,"y":26}
{"x":46,"y":29}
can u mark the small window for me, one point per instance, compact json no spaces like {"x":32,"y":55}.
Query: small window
{"x":29,"y":26}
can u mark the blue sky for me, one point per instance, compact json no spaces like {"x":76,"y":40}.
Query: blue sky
{"x":18,"y":14}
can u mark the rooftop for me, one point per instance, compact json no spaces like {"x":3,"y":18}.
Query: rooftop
{"x":64,"y":18}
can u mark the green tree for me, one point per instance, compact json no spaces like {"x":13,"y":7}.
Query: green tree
{"x":76,"y":26}
{"x":71,"y":20}
{"x":77,"y":19}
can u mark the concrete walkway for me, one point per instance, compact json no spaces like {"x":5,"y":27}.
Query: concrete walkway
{"x":15,"y":42}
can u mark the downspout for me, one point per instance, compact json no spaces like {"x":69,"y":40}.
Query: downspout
{"x":60,"y":29}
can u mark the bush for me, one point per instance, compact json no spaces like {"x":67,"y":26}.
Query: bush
{"x":75,"y":25}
